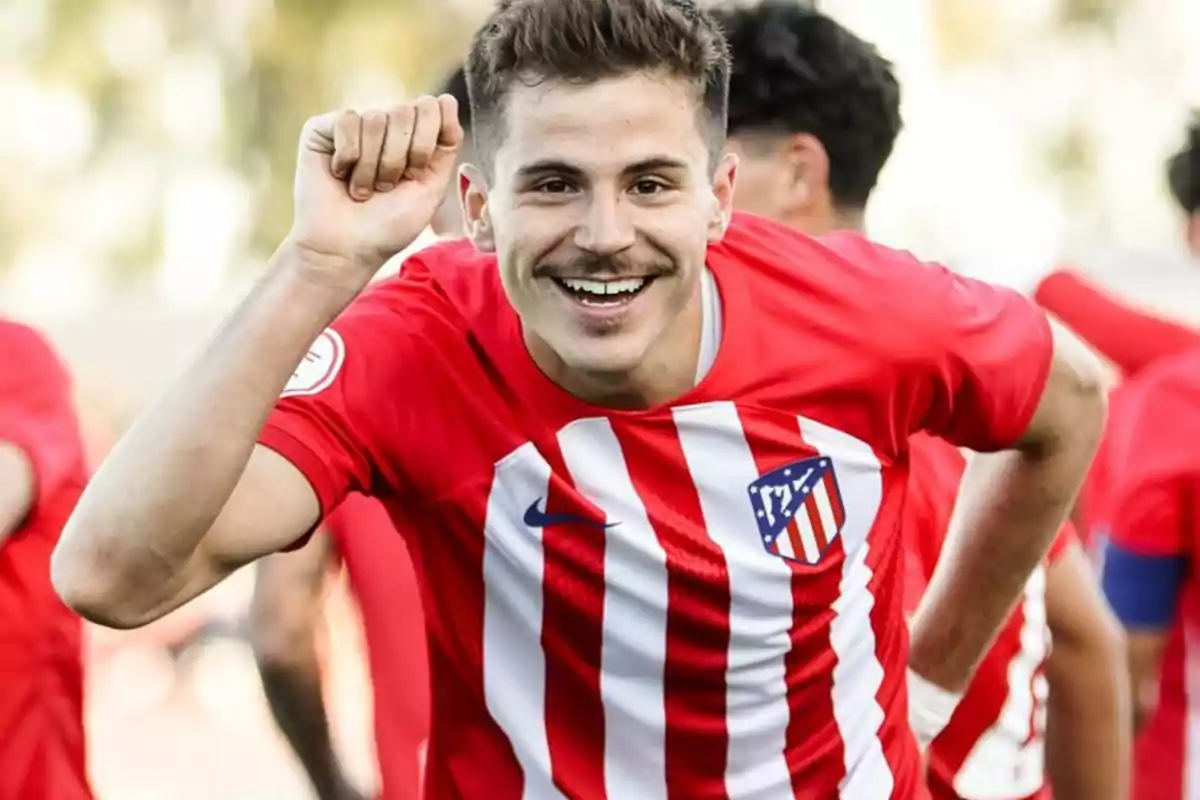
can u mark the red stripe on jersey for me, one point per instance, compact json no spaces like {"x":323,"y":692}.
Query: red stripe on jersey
{"x":809,"y":664}
{"x":885,"y":559}
{"x":793,"y":531}
{"x":814,"y":522}
{"x":468,"y":754}
{"x":697,"y":740}
{"x":572,"y":637}
{"x":835,"y":500}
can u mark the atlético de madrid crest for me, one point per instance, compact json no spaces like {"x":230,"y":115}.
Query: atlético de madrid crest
{"x":799,"y":509}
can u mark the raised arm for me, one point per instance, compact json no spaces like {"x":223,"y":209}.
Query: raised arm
{"x":188,"y":496}
{"x":1126,"y":336}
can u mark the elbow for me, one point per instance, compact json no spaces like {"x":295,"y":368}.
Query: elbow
{"x":94,"y":589}
{"x":278,"y":645}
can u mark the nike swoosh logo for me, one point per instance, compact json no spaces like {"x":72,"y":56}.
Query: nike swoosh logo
{"x":536,"y":518}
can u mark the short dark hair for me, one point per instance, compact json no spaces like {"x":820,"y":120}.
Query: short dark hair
{"x":586,"y":40}
{"x":1183,"y":169}
{"x":455,"y":85}
{"x":796,"y":70}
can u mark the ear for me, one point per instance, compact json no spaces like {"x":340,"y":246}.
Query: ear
{"x":724,"y":180}
{"x":472,"y":193}
{"x":808,"y":172}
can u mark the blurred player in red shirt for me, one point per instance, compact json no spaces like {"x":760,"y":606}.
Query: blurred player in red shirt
{"x":814,"y":113}
{"x":1131,"y":339}
{"x":650,"y":453}
{"x":43,"y":755}
{"x":286,"y":617}
{"x":1146,"y":511}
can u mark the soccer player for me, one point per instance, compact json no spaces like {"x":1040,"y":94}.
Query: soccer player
{"x":814,"y":113}
{"x":1146,"y":512}
{"x":287,"y":611}
{"x":648,"y":453}
{"x":43,"y":469}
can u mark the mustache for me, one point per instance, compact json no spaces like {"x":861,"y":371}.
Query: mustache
{"x":591,"y":266}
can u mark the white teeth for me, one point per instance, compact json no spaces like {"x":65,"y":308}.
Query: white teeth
{"x":602,"y":288}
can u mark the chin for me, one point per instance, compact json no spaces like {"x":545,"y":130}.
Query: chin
{"x":616,"y":355}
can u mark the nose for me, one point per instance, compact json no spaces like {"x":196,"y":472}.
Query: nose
{"x":606,"y":228}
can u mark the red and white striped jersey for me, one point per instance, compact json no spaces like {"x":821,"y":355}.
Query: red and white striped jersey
{"x":700,"y":600}
{"x":994,"y":746}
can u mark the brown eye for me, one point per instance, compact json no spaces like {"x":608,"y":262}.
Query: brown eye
{"x":554,"y":186}
{"x":648,"y":188}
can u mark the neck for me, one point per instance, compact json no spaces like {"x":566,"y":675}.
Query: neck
{"x":827,"y":220}
{"x":667,"y":371}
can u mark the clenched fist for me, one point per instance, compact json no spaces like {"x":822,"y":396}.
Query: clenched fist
{"x":368,"y":183}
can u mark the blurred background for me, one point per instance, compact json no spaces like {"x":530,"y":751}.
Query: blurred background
{"x":146,"y":148}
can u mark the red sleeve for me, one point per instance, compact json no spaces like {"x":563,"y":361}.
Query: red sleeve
{"x":1152,"y":521}
{"x":350,"y":409}
{"x":969,"y":360}
{"x":36,"y":409}
{"x":1129,"y":338}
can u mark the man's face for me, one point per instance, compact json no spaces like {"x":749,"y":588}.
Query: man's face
{"x":600,"y":211}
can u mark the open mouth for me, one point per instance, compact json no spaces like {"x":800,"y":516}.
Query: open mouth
{"x":602,"y":293}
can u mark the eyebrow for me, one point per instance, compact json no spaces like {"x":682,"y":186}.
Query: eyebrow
{"x":558,"y":167}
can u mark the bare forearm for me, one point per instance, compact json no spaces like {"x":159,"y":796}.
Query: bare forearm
{"x":1009,"y":507}
{"x":293,"y":690}
{"x":158,"y":493}
{"x":1088,"y":730}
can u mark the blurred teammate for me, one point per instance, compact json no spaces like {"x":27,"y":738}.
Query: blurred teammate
{"x":43,"y":755}
{"x":814,"y":113}
{"x":1146,"y":509}
{"x":1131,"y":339}
{"x":287,"y":612}
{"x":647,"y":452}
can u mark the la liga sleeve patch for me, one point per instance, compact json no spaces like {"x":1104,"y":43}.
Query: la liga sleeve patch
{"x":320,"y":366}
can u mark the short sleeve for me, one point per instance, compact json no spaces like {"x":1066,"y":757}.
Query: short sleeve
{"x":37,"y":413}
{"x":351,"y":404}
{"x":1153,"y":520}
{"x":972,"y":359}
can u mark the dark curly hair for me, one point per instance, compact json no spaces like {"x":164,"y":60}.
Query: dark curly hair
{"x":1183,"y":169}
{"x":795,"y":70}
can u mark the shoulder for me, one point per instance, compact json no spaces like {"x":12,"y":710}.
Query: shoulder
{"x":28,"y":355}
{"x":1155,"y":423}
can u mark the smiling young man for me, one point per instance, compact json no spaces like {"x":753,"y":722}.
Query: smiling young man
{"x":647,"y":447}
{"x":814,"y":114}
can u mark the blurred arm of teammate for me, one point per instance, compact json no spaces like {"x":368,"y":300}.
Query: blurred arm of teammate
{"x":16,"y":488}
{"x":285,"y":616}
{"x":1129,"y":338}
{"x":188,"y":496}
{"x":1146,"y":562}
{"x":1088,"y":726}
{"x":1010,"y":506}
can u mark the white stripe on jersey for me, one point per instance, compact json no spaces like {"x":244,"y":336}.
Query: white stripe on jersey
{"x":760,"y":611}
{"x":1004,"y":763}
{"x":513,"y":574}
{"x":808,"y":537}
{"x":857,"y":673}
{"x":634,"y":653}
